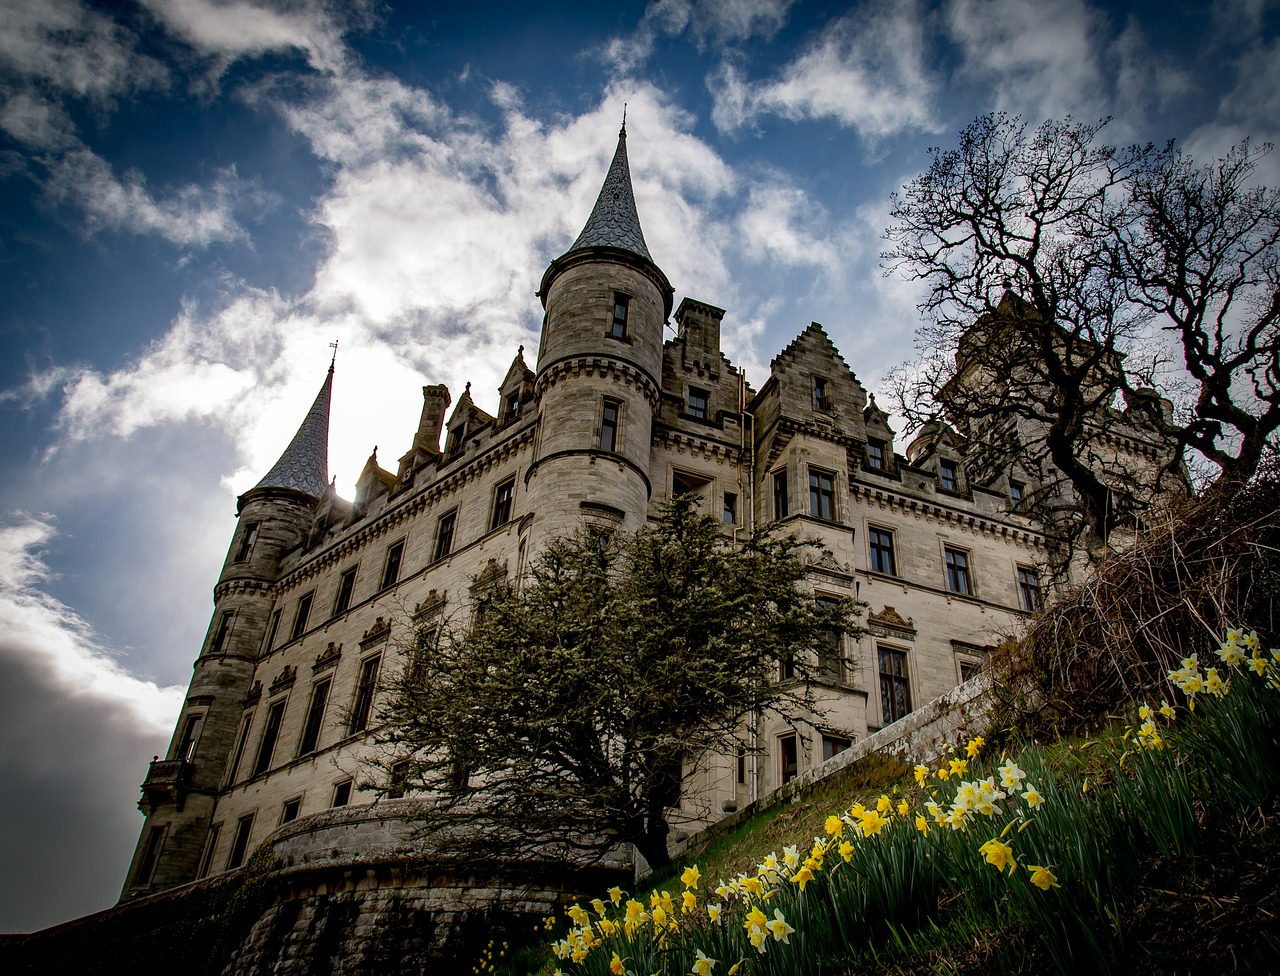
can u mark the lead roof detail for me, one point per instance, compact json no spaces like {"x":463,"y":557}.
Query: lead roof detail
{"x":614,"y":222}
{"x":304,"y":465}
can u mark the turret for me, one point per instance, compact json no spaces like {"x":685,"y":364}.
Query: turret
{"x":179,"y":795}
{"x":599,"y":369}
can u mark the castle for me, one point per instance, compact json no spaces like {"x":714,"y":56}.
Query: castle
{"x":317,"y":596}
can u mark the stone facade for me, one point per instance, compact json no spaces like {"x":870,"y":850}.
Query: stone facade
{"x":319,"y":596}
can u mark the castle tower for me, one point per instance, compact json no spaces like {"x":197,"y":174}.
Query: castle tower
{"x":180,"y":792}
{"x":599,"y":370}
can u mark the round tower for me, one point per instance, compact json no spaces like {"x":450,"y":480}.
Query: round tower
{"x":180,"y":792}
{"x":599,"y":370}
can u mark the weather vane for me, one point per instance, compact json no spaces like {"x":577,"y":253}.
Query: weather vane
{"x":334,"y":346}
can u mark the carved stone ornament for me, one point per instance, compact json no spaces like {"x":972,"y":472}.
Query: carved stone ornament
{"x":328,"y":657}
{"x":286,"y":677}
{"x":431,"y":606}
{"x":254,"y":693}
{"x":890,"y":619}
{"x":377,"y":632}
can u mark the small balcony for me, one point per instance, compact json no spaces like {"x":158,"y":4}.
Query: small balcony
{"x":167,"y":782}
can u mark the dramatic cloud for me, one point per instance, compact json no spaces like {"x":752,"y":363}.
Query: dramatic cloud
{"x":73,"y":718}
{"x":866,"y":70}
{"x":715,"y":22}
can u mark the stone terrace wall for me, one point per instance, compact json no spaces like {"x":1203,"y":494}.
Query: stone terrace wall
{"x":920,"y":737}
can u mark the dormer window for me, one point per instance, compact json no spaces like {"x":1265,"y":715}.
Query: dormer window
{"x":1016,"y":490}
{"x":875,"y":455}
{"x":621,"y":306}
{"x":453,"y":443}
{"x":948,"y":475}
{"x":511,"y":407}
{"x":696,"y":405}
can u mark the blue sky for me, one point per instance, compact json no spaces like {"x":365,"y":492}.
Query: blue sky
{"x":196,"y":197}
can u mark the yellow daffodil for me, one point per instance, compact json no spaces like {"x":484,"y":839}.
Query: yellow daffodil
{"x":713,"y":911}
{"x":690,"y":901}
{"x":659,"y":917}
{"x":755,"y":919}
{"x":975,"y":746}
{"x":922,"y":825}
{"x":578,"y":914}
{"x":1144,"y":713}
{"x":597,"y":905}
{"x":903,"y":808}
{"x":635,"y":912}
{"x":921,"y":773}
{"x":1166,"y":710}
{"x":759,"y":938}
{"x":1032,"y":796}
{"x":1042,"y":877}
{"x":616,"y":967}
{"x":779,"y":928}
{"x":802,"y":877}
{"x":846,"y":851}
{"x":943,"y":773}
{"x":752,"y":885}
{"x":790,"y":857}
{"x":703,"y":964}
{"x":691,"y":876}
{"x":873,"y":823}
{"x":959,"y":767}
{"x":723,"y":890}
{"x":999,"y":855}
{"x":833,"y":826}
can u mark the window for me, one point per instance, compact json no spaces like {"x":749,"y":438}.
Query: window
{"x":240,"y":845}
{"x":511,"y":408}
{"x":271,"y":630}
{"x":365,"y":688}
{"x":696,"y":405}
{"x":455,"y":440}
{"x":780,"y":495}
{"x":269,"y":735}
{"x":291,"y":810}
{"x":882,"y":559}
{"x":875,"y":455}
{"x":621,"y":306}
{"x":822,"y":495}
{"x":444,"y":533}
{"x":346,"y":587}
{"x":391,"y":568}
{"x":399,"y":777}
{"x":820,"y":400}
{"x":786,"y":667}
{"x":609,"y":425}
{"x":895,"y":693}
{"x":1029,"y":589}
{"x":342,"y":793}
{"x":1016,"y":491}
{"x":947,"y":474}
{"x":242,"y":740}
{"x":742,"y":765}
{"x":502,"y":502}
{"x":690,"y":484}
{"x":210,"y":844}
{"x":300,"y":618}
{"x":190,"y":736}
{"x":315,"y":717}
{"x":224,"y":631}
{"x":788,"y":758}
{"x":730,"y":508}
{"x":829,"y":658}
{"x":150,"y":855}
{"x":246,"y":542}
{"x":969,"y":669}
{"x":833,"y":745}
{"x":958,"y":572}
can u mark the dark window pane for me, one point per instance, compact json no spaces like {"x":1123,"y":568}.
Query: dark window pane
{"x":346,"y":587}
{"x":444,"y":534}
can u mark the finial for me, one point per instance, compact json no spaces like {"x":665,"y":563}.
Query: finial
{"x":623,"y":132}
{"x":520,"y":351}
{"x":467,"y":391}
{"x":334,"y":346}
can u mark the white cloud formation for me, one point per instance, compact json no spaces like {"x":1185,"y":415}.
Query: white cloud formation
{"x":718,"y":23}
{"x":866,"y":70}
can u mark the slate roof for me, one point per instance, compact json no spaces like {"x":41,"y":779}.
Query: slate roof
{"x":614,"y":222}
{"x":304,"y":465}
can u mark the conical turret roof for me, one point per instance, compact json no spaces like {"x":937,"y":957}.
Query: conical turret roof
{"x":614,"y":222}
{"x":304,"y":465}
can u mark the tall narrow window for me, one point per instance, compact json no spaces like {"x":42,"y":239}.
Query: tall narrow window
{"x":780,"y":494}
{"x":820,"y":399}
{"x":444,"y":533}
{"x":272,"y":628}
{"x":391,"y":568}
{"x":958,"y":572}
{"x":242,"y":740}
{"x":240,"y":845}
{"x":948,"y":475}
{"x":291,"y":810}
{"x":455,"y":440}
{"x":270,"y":733}
{"x":210,"y":845}
{"x":246,"y":542}
{"x":342,"y":793}
{"x":365,"y":688}
{"x":730,"y":508}
{"x":822,"y":494}
{"x":300,"y":618}
{"x":190,"y":736}
{"x":742,"y":765}
{"x":503,"y":500}
{"x":696,"y":405}
{"x":1029,"y":589}
{"x":895,"y":691}
{"x":150,"y":855}
{"x":621,"y":308}
{"x":788,"y":758}
{"x":399,"y":777}
{"x":224,"y":631}
{"x":882,"y":558}
{"x":511,"y":407}
{"x":315,"y":717}
{"x":346,"y":587}
{"x":609,"y":425}
{"x":875,"y":455}
{"x":830,"y":663}
{"x":1016,"y":491}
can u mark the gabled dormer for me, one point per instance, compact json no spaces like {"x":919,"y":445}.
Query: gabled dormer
{"x":879,"y":453}
{"x":516,"y":391}
{"x":939,"y":450}
{"x":814,"y":385}
{"x":467,"y":421}
{"x":374,"y":483}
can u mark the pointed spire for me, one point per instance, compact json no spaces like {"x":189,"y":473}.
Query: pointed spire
{"x":304,"y":465}
{"x":614,"y":222}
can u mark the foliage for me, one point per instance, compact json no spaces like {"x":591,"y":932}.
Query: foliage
{"x":1062,"y":274}
{"x":1041,"y":856}
{"x":577,"y":702}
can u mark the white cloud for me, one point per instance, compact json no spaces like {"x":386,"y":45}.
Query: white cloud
{"x":715,"y":22}
{"x":866,"y":70}
{"x":189,"y":216}
{"x":781,"y":225}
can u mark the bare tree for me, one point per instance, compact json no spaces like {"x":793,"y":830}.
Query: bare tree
{"x":1091,"y":312}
